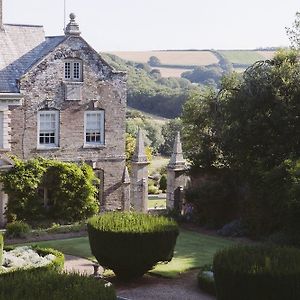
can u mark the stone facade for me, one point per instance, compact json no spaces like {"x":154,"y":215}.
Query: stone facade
{"x":43,"y":87}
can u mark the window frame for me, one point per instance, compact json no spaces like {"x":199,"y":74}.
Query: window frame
{"x":56,"y":130}
{"x":72,"y":68}
{"x":101,"y":143}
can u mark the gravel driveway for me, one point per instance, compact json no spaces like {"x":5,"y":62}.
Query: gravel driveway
{"x":148,"y":287}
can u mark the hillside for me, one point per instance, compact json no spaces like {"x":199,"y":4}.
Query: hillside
{"x":174,"y":63}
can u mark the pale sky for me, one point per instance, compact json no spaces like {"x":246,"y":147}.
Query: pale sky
{"x":114,"y":25}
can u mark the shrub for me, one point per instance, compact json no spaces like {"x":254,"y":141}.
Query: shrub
{"x":49,"y":285}
{"x":69,"y":189}
{"x":206,"y":280}
{"x":257,"y":272}
{"x":131,"y":243}
{"x":17,"y":229}
{"x":163,"y":183}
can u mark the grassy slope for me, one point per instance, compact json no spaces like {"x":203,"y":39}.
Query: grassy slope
{"x":241,"y":57}
{"x":192,"y":250}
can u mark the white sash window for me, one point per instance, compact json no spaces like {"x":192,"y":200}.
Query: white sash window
{"x":94,"y":128}
{"x":48,"y":122}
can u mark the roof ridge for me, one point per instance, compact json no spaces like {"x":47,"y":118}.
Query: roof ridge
{"x":23,"y":25}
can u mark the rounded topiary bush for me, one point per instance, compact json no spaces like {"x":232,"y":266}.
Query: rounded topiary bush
{"x":257,"y":272}
{"x":130,"y":244}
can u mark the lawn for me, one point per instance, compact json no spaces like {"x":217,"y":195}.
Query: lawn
{"x":192,"y":251}
{"x":156,"y":201}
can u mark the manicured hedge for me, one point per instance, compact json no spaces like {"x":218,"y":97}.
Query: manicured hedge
{"x":131,"y":243}
{"x":257,"y":273}
{"x":50,"y":285}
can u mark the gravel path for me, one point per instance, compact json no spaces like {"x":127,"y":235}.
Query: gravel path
{"x":148,"y":287}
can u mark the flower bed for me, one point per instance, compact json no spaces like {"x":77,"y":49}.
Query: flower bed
{"x":26,"y":257}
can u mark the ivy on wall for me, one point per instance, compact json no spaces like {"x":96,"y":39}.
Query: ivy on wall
{"x":40,"y":189}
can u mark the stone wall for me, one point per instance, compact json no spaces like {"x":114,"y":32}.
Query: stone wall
{"x":43,"y":86}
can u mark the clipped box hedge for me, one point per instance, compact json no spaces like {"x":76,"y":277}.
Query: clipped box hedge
{"x":257,"y":273}
{"x":50,"y":285}
{"x":130,"y":244}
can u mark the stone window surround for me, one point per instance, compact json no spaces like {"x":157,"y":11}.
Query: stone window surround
{"x":54,"y":145}
{"x":100,"y":144}
{"x":74,"y":66}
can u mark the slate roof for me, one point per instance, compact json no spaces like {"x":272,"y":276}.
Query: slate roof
{"x":21,"y":46}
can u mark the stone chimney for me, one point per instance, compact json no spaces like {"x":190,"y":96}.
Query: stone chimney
{"x":72,"y":28}
{"x":1,"y":20}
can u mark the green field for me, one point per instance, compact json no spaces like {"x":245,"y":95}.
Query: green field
{"x":192,"y":251}
{"x":156,"y":201}
{"x":241,"y":56}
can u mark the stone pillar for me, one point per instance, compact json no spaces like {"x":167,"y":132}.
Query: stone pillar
{"x":139,"y":176}
{"x":126,"y":190}
{"x":176,"y":176}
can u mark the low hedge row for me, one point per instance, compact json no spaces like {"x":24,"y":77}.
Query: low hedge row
{"x":50,"y":285}
{"x":131,"y":243}
{"x":257,"y":273}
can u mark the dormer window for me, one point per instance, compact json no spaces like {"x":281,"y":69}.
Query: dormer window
{"x":73,"y":70}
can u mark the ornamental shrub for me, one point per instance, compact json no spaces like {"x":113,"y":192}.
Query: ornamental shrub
{"x":131,"y":243}
{"x":17,"y":229}
{"x":40,"y":189}
{"x":257,"y":272}
{"x":50,"y":285}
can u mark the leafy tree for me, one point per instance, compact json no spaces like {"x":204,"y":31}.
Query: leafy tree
{"x":154,"y":61}
{"x":169,"y":131}
{"x":294,"y":32}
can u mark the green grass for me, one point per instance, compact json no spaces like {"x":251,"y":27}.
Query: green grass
{"x":241,"y":56}
{"x":192,"y":251}
{"x":155,"y":201}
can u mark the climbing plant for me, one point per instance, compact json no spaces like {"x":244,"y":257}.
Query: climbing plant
{"x":40,"y":189}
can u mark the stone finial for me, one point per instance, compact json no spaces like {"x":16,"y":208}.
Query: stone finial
{"x":177,"y":160}
{"x":139,"y":155}
{"x":72,"y":28}
{"x":126,"y":177}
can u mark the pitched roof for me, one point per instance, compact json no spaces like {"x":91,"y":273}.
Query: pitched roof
{"x":20,"y":47}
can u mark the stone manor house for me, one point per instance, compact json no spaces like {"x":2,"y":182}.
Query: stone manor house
{"x":59,"y":99}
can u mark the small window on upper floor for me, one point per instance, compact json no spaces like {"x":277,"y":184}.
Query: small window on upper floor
{"x":73,"y":70}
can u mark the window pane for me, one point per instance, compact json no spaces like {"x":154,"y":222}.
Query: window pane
{"x":48,"y":128}
{"x":67,"y":70}
{"x":93,"y":127}
{"x":76,"y":70}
